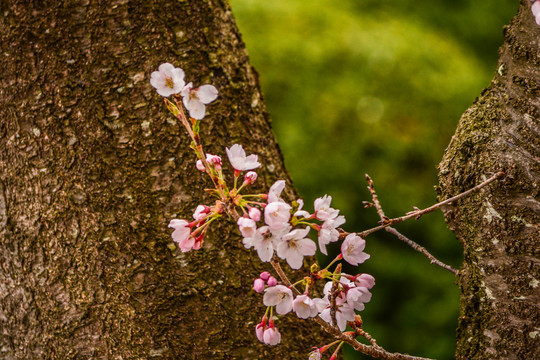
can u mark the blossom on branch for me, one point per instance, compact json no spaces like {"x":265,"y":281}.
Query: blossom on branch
{"x":168,"y":80}
{"x":352,"y":249}
{"x":239,"y":160}
{"x":294,"y":246}
{"x":279,"y":296}
{"x":195,"y":100}
{"x":323,"y":211}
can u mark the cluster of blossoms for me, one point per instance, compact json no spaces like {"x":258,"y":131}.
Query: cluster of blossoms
{"x":535,"y":8}
{"x":268,"y":224}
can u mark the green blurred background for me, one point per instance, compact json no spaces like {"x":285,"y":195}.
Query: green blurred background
{"x":378,"y":87}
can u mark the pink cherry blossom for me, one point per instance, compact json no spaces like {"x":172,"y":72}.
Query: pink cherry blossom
{"x":214,"y":160}
{"x":344,"y":313}
{"x":200,"y":212}
{"x":357,"y":296}
{"x":200,"y":166}
{"x":352,"y":249}
{"x":328,"y":232}
{"x":304,"y":307}
{"x":258,"y":285}
{"x":259,"y":330}
{"x":255,"y":214}
{"x":168,"y":80}
{"x":250,"y":177}
{"x":535,"y":8}
{"x":364,"y":280}
{"x":265,"y":275}
{"x":277,"y":215}
{"x":239,"y":160}
{"x":182,"y":234}
{"x":272,"y":281}
{"x":263,"y":241}
{"x":294,"y":246}
{"x":300,"y":212}
{"x":274,"y":194}
{"x":271,"y":336}
{"x":279,"y":296}
{"x":323,"y":211}
{"x":247,"y":226}
{"x":195,"y":99}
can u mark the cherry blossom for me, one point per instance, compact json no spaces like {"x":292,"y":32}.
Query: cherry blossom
{"x":258,"y":285}
{"x":239,"y":160}
{"x":357,"y":296}
{"x":201,"y":212}
{"x":195,"y":99}
{"x":277,"y":215}
{"x":323,"y":211}
{"x":259,"y":329}
{"x":168,"y":80}
{"x":304,"y":307}
{"x":279,"y":296}
{"x":328,"y":232}
{"x":247,"y":226}
{"x":182,"y":234}
{"x":250,"y":177}
{"x":274,"y":194}
{"x":263,"y":241}
{"x":299,"y":212}
{"x":255,"y":214}
{"x":364,"y":280}
{"x":294,"y":246}
{"x":352,"y":249}
{"x":271,"y":335}
{"x":535,"y":8}
{"x":344,"y":313}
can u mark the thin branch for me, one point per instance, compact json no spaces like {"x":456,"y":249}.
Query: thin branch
{"x":418,"y":213}
{"x":400,"y":236}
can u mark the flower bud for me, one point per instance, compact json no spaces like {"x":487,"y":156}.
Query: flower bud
{"x":258,"y":285}
{"x":265,"y":275}
{"x":271,"y":281}
{"x":255,"y":214}
{"x":200,"y":166}
{"x":250,"y":177}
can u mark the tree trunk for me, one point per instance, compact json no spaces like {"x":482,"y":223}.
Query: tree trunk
{"x":93,"y":168}
{"x":499,"y":226}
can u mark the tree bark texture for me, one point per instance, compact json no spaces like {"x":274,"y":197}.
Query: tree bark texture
{"x":93,"y":168}
{"x":499,"y":226}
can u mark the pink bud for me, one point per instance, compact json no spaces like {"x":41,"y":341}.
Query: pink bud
{"x":200,"y":166}
{"x":265,"y":275}
{"x":258,"y":285}
{"x":259,"y":330}
{"x":271,"y":281}
{"x":255,"y":214}
{"x":250,"y":177}
{"x":214,"y":160}
{"x":271,"y":336}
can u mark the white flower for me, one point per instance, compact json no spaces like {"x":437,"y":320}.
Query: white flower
{"x":300,"y":212}
{"x":352,"y":249}
{"x":295,"y":246}
{"x":247,"y":226}
{"x":304,"y":307}
{"x":263,"y":241}
{"x":365,"y":280}
{"x":200,"y":212}
{"x":182,"y":235}
{"x":271,"y":336}
{"x":239,"y":160}
{"x":535,"y":8}
{"x":323,"y":211}
{"x":274,"y":194}
{"x":277,"y":215}
{"x":195,"y":99}
{"x":328,"y":232}
{"x":344,"y":313}
{"x":167,"y":80}
{"x":357,"y":296}
{"x":279,"y":296}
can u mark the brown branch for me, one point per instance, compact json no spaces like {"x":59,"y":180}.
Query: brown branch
{"x":418,"y":213}
{"x":400,"y":236}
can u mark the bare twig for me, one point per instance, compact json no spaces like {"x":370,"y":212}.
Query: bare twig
{"x":400,"y":236}
{"x":418,"y":212}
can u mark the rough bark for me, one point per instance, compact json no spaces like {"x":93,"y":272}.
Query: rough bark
{"x":499,"y":226}
{"x":92,"y":168}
